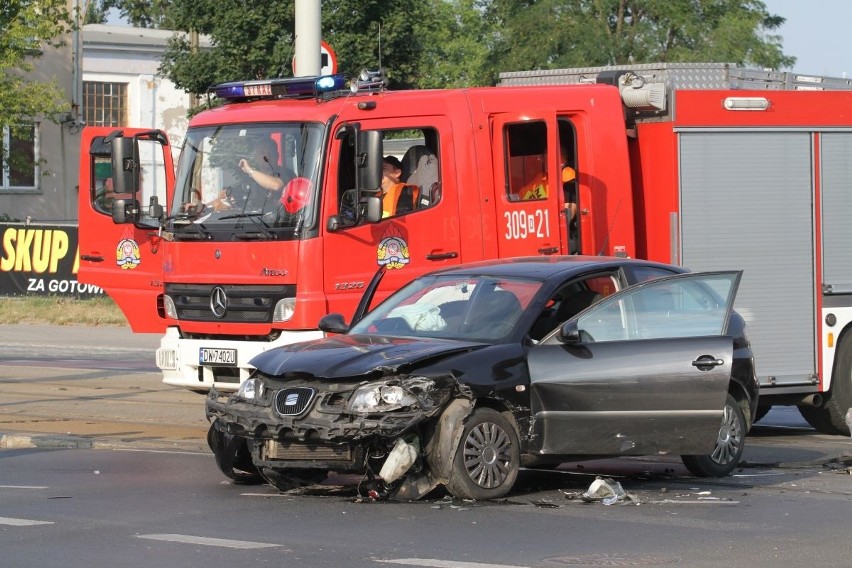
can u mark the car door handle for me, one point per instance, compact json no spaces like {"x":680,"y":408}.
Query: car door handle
{"x":441,"y":255}
{"x":91,"y":258}
{"x":706,"y":363}
{"x":548,"y":250}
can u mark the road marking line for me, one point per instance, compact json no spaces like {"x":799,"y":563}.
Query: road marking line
{"x":24,"y":487}
{"x":22,"y":522}
{"x":187,"y":539}
{"x":432,"y":563}
{"x":183,"y":452}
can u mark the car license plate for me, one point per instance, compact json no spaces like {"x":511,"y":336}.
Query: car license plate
{"x":166,"y":359}
{"x":217,"y":357}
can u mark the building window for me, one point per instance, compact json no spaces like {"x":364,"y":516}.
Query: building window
{"x":19,"y":149}
{"x":104,"y":104}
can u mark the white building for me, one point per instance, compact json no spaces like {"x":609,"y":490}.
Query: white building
{"x":122,"y":85}
{"x":109,"y":75}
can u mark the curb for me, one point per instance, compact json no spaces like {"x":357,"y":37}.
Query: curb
{"x":68,"y":442}
{"x":52,"y":442}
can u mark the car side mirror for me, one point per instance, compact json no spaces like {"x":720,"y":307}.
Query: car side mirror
{"x":333,"y":323}
{"x":569,"y":333}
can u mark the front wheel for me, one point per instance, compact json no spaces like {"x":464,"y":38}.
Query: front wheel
{"x":487,"y":460}
{"x":729,"y":445}
{"x":233,"y":457}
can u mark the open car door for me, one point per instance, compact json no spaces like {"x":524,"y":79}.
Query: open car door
{"x":124,"y":258}
{"x":643,"y":371}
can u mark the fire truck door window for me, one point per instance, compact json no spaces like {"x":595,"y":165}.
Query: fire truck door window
{"x":411,"y":180}
{"x":152,"y":177}
{"x":526,"y":160}
{"x":568,"y":165}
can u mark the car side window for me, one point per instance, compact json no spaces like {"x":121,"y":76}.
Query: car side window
{"x":665,"y":309}
{"x":571,"y":299}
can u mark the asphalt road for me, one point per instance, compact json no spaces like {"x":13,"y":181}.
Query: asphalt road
{"x":103,"y":465}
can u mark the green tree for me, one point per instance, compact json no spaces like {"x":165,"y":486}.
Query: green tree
{"x":547,"y":34}
{"x":255,"y":39}
{"x":27,"y":27}
{"x":457,"y":51}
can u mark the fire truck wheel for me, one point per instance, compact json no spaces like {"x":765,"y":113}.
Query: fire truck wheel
{"x":729,"y":445}
{"x":285,"y":479}
{"x":488,"y":458}
{"x":233,"y":457}
{"x":830,"y":418}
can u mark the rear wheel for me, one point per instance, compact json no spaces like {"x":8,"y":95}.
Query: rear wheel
{"x":292,"y":478}
{"x":487,"y":460}
{"x":830,"y":418}
{"x":729,"y":445}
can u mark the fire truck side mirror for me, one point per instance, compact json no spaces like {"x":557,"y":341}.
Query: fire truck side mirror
{"x":124,"y":211}
{"x":125,"y":165}
{"x":368,"y":160}
{"x":373,"y":209}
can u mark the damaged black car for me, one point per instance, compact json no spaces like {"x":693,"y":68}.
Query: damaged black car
{"x":467,"y":374}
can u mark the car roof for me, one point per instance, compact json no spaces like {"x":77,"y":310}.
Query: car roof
{"x":546,"y":267}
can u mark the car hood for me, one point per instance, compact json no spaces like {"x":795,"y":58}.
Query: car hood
{"x":344,"y":356}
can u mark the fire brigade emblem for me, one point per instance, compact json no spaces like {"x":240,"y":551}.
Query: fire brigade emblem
{"x":127,"y":254}
{"x":393,"y":251}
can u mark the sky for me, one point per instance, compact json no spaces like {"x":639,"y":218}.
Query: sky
{"x":817,"y":33}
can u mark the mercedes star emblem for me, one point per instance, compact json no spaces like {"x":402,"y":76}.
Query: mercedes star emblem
{"x":218,"y":302}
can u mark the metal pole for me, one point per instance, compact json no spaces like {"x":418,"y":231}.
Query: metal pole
{"x":308,"y":32}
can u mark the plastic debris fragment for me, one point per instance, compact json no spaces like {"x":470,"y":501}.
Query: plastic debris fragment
{"x":607,"y":491}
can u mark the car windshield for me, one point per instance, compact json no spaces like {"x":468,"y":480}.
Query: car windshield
{"x":247,"y":181}
{"x":473,"y":308}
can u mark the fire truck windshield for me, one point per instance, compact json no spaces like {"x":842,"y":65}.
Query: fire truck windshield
{"x":247,"y":181}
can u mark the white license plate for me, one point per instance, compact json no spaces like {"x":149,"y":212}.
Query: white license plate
{"x":166,"y":359}
{"x":217,"y":357}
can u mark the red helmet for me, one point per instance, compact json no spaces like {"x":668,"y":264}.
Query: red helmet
{"x":296,"y":194}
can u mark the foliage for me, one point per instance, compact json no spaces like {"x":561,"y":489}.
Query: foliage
{"x":28,"y":27}
{"x":455,"y":43}
{"x":250,"y":40}
{"x":138,"y":13}
{"x":578,"y":33}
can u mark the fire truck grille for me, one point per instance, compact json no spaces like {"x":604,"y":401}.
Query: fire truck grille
{"x":227,"y":302}
{"x":293,"y":401}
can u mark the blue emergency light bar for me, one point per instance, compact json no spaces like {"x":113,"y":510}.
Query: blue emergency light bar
{"x":278,"y":88}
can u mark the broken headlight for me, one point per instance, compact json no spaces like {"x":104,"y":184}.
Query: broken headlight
{"x":251,"y":389}
{"x":386,"y":397}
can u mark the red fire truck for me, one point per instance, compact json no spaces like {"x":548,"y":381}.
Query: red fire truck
{"x":708,"y":166}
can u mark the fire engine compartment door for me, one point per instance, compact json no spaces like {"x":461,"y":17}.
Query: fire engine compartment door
{"x":836,"y":207}
{"x":745,"y":202}
{"x":123,"y":259}
{"x":527,"y":178}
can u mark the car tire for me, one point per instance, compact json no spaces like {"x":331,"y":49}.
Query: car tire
{"x":285,"y":479}
{"x":486,"y":463}
{"x":729,"y":445}
{"x":830,"y":418}
{"x":233,"y":457}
